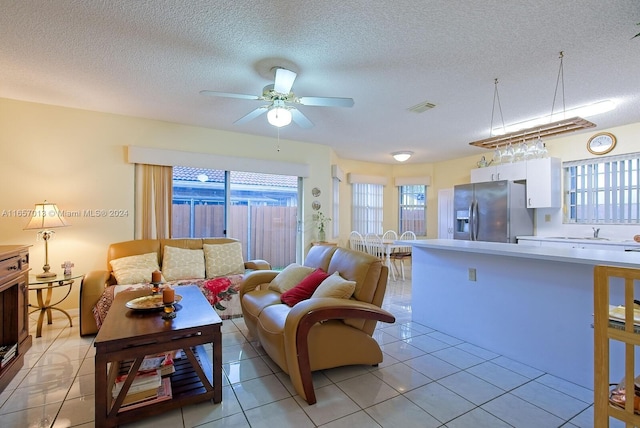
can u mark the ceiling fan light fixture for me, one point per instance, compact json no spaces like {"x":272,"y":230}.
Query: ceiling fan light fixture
{"x":279,"y":116}
{"x":402,"y":156}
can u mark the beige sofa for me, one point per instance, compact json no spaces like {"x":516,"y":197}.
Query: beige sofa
{"x":320,"y":332}
{"x":99,"y":286}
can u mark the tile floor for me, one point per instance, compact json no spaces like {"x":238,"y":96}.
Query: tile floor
{"x":427,"y":379}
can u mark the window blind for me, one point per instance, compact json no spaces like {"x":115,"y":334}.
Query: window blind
{"x":367,"y":208}
{"x":603,"y":190}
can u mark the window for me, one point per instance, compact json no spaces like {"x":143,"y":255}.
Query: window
{"x":336,"y":207}
{"x":337,"y":175}
{"x":367,"y":208}
{"x":413,"y":207}
{"x":260,"y":210}
{"x":603,"y":190}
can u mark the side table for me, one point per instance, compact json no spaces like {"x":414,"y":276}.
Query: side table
{"x":44,"y":305}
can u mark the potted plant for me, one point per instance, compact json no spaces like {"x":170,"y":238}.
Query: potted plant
{"x":321,"y":221}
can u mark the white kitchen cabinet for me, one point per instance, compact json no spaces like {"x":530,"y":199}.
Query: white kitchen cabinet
{"x":544,"y":184}
{"x":445,"y":214}
{"x":508,"y":171}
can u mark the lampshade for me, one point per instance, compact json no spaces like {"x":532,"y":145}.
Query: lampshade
{"x":279,"y":116}
{"x":45,"y":216}
{"x":401,"y":156}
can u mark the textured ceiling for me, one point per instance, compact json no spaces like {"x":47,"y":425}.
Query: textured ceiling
{"x":151,"y":58}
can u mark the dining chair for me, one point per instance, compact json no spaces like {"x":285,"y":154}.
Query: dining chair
{"x":356,"y":241}
{"x":391,"y":236}
{"x":376,"y":247}
{"x":402,"y":253}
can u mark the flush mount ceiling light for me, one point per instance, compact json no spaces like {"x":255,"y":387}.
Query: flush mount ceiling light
{"x":401,"y":156}
{"x":547,"y":126}
{"x":278,"y":115}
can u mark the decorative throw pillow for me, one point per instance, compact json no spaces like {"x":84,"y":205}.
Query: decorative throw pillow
{"x":305,"y":288}
{"x":223,"y":259}
{"x":181,"y":263}
{"x":289,"y":277}
{"x":335,"y":286}
{"x":134,"y":269}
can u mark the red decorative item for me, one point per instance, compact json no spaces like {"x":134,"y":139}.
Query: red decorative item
{"x":220,"y":289}
{"x":305,"y":288}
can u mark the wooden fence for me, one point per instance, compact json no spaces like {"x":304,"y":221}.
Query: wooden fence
{"x":266,"y":232}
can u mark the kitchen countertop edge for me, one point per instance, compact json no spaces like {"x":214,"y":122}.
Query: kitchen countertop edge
{"x":565,"y":255}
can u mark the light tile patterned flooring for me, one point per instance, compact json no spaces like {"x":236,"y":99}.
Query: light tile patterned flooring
{"x":427,"y":379}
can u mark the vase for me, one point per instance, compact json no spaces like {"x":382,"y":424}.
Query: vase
{"x":321,"y":236}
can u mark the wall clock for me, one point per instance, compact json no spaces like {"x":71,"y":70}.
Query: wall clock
{"x":601,"y":143}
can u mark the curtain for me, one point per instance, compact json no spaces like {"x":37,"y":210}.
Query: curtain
{"x":154,"y":185}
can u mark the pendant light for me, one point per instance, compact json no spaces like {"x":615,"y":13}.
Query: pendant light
{"x":548,"y":126}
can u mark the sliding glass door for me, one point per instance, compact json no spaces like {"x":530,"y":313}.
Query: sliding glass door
{"x":260,"y":210}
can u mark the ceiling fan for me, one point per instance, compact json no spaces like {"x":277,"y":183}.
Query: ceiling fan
{"x":281,"y":101}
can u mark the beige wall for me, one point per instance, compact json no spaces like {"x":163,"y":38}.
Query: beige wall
{"x":76,"y":159}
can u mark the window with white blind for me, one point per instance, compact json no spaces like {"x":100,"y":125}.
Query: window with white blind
{"x":367,"y":208}
{"x":604,"y":190}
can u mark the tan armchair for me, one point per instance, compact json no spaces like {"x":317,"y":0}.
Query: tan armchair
{"x":319,"y":333}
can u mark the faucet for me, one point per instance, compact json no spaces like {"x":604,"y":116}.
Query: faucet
{"x":595,"y":232}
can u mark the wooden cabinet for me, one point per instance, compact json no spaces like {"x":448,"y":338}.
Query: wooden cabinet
{"x":606,"y":331}
{"x":14,"y":299}
{"x":445,"y":214}
{"x":544,"y":184}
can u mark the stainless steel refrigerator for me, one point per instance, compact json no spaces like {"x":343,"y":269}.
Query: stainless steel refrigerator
{"x":494,"y":211}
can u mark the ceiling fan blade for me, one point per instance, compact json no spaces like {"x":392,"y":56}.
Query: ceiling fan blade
{"x":300,"y":119}
{"x":252,"y":115}
{"x":229,"y":95}
{"x":284,"y":80}
{"x":326,"y":101}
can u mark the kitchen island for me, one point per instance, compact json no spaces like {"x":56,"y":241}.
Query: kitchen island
{"x":531,"y":304}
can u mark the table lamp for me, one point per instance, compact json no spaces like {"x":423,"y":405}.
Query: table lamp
{"x":46,"y":216}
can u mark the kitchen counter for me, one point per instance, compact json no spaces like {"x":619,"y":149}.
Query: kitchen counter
{"x":600,"y":242}
{"x":531,"y":304}
{"x":571,"y":255}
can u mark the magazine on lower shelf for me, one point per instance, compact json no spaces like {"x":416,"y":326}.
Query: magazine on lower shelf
{"x":617,"y":313}
{"x":164,"y":393}
{"x":144,"y":381}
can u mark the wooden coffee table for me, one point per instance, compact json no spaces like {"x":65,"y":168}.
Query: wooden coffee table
{"x":126,"y":336}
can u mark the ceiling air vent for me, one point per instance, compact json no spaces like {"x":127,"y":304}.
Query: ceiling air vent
{"x":422,"y":107}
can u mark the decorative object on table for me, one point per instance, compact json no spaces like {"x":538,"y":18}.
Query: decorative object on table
{"x":46,"y":216}
{"x":321,"y":221}
{"x":168,"y":298}
{"x":156,"y":279}
{"x":601,"y":143}
{"x":149,"y":303}
{"x":67,"y":265}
